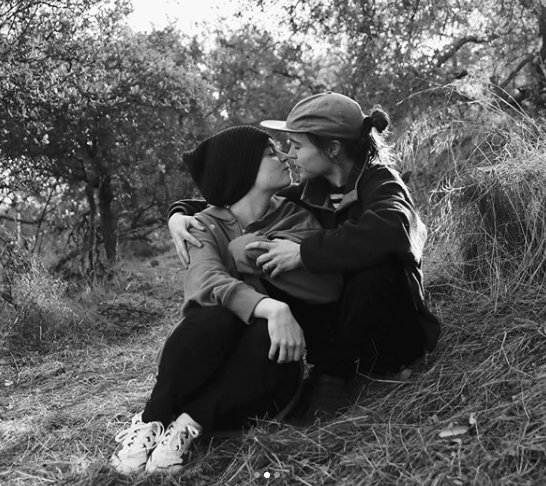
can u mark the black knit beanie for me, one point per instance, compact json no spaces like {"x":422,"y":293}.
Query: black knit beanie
{"x":224,"y":167}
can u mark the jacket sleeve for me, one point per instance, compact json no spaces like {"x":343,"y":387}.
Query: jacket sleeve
{"x":208,"y":281}
{"x":387,"y":226}
{"x":189,"y":207}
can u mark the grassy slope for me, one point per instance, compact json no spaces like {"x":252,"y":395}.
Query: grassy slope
{"x":488,"y":374}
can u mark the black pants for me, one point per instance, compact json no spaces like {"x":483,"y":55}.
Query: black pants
{"x":216,"y":368}
{"x":378,"y":320}
{"x":375,"y":324}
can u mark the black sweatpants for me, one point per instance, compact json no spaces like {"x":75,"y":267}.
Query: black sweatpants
{"x":215,"y":368}
{"x":375,"y":324}
{"x":378,"y":321}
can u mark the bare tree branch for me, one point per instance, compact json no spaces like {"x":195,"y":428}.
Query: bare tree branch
{"x":526,"y":60}
{"x":458,"y":44}
{"x":5,"y":217}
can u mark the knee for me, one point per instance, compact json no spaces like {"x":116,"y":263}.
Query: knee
{"x":206,"y":325}
{"x":257,"y":339}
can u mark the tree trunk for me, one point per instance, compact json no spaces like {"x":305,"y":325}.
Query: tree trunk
{"x":92,"y":233}
{"x":542,"y":29}
{"x":107,"y":218}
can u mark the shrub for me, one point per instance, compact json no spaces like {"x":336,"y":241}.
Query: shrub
{"x":39,"y":311}
{"x":479,"y":178}
{"x":503,"y":223}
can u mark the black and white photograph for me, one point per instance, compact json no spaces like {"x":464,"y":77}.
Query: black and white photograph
{"x":273,"y":242}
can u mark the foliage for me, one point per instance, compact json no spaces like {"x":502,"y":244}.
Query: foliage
{"x":131,"y":102}
{"x":390,"y":51}
{"x":104,"y":112}
{"x":255,"y":77}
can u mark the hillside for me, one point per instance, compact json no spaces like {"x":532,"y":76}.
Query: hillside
{"x":473,"y":414}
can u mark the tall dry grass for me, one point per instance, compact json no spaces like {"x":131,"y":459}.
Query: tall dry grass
{"x":36,"y":310}
{"x":472,"y":414}
{"x":479,"y":175}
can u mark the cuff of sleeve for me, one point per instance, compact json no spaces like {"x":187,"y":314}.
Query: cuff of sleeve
{"x":177,"y":207}
{"x":242,"y":301}
{"x":306,"y":255}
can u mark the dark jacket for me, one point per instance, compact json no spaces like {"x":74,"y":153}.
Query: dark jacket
{"x":375,"y":223}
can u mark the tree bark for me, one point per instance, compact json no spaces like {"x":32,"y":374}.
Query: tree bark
{"x":107,"y":218}
{"x":542,"y":28}
{"x":92,"y":238}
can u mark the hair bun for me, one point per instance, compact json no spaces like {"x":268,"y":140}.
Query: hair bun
{"x":379,"y":119}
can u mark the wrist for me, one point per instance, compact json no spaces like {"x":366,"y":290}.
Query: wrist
{"x":297,"y":257}
{"x":268,"y":308}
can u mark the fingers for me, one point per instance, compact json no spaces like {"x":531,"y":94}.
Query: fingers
{"x":181,"y":250}
{"x":284,"y":354}
{"x":192,"y":240}
{"x":273,"y":349}
{"x":196,"y":224}
{"x":260,"y":245}
{"x":276,"y":271}
{"x":272,"y":268}
{"x":183,"y":255}
{"x":263,"y":260}
{"x":287,"y":352}
{"x":299,"y":350}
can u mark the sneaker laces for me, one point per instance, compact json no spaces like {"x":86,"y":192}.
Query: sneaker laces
{"x":128,"y":437}
{"x":177,"y":439}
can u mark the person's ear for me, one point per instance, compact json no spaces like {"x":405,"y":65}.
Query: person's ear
{"x":334,"y":149}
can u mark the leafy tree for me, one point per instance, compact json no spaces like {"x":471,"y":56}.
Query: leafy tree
{"x":393,"y":49}
{"x":255,"y":76}
{"x":100,"y":109}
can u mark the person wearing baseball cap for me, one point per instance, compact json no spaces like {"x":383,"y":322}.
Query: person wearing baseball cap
{"x":373,"y":236}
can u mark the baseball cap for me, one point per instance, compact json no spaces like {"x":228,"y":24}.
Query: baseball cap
{"x":328,"y":114}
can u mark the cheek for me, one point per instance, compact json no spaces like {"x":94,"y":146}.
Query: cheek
{"x":306,"y":157}
{"x":312,"y":161}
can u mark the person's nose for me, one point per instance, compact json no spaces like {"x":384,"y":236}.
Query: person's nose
{"x":291,"y":153}
{"x":284,"y":157}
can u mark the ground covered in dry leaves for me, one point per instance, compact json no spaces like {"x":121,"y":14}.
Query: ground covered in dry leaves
{"x":474,"y":413}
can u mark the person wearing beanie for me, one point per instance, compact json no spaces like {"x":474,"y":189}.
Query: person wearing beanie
{"x":372,"y":236}
{"x":224,"y":166}
{"x":238,"y":351}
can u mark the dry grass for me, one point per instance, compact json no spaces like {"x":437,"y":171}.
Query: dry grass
{"x":473,"y":414}
{"x":506,"y":208}
{"x":38,"y":311}
{"x":62,"y":410}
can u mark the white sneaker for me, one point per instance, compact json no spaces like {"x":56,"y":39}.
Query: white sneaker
{"x":137,"y":442}
{"x":173,"y":448}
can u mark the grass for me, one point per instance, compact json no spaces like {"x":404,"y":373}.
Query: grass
{"x":472,"y":414}
{"x":60,"y":410}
